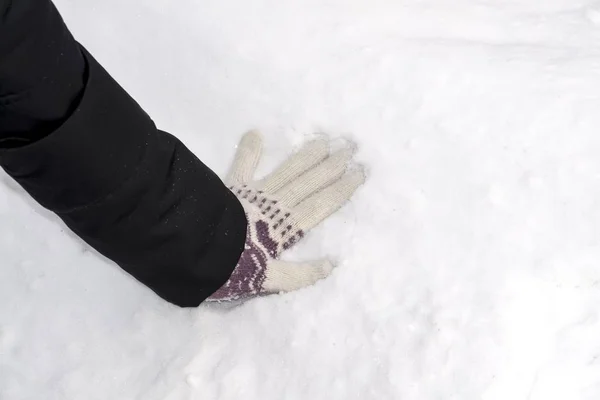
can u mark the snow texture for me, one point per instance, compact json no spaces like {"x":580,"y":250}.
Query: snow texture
{"x":468,"y":265}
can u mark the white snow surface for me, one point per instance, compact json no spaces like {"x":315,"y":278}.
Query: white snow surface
{"x":468,"y":266}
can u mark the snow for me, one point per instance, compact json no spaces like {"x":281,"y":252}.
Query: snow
{"x":468,"y":265}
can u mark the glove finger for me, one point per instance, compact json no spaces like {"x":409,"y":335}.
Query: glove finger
{"x":317,"y":178}
{"x":308,"y":156}
{"x":246,"y":159}
{"x":285,"y":276}
{"x":322,"y":204}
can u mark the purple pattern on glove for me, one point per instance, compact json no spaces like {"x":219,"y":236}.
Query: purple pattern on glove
{"x":262,"y":233}
{"x":247,"y":277}
{"x":270,"y":231}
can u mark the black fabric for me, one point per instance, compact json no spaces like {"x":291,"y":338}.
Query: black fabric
{"x":42,"y":71}
{"x":134,"y":193}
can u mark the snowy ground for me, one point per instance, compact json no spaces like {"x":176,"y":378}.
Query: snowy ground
{"x":469,"y":265}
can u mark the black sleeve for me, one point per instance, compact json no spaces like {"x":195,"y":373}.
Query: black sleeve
{"x":90,"y":154}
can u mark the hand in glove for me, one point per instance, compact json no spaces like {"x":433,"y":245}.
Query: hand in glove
{"x":307,"y":188}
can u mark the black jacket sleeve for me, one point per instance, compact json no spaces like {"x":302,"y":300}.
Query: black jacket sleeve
{"x":132,"y":192}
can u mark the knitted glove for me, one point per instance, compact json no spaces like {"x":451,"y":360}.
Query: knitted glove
{"x":307,"y":188}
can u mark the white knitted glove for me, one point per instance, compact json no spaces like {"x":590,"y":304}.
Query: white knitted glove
{"x":307,"y":188}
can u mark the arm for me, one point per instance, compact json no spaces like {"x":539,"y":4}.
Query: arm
{"x":84,"y":149}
